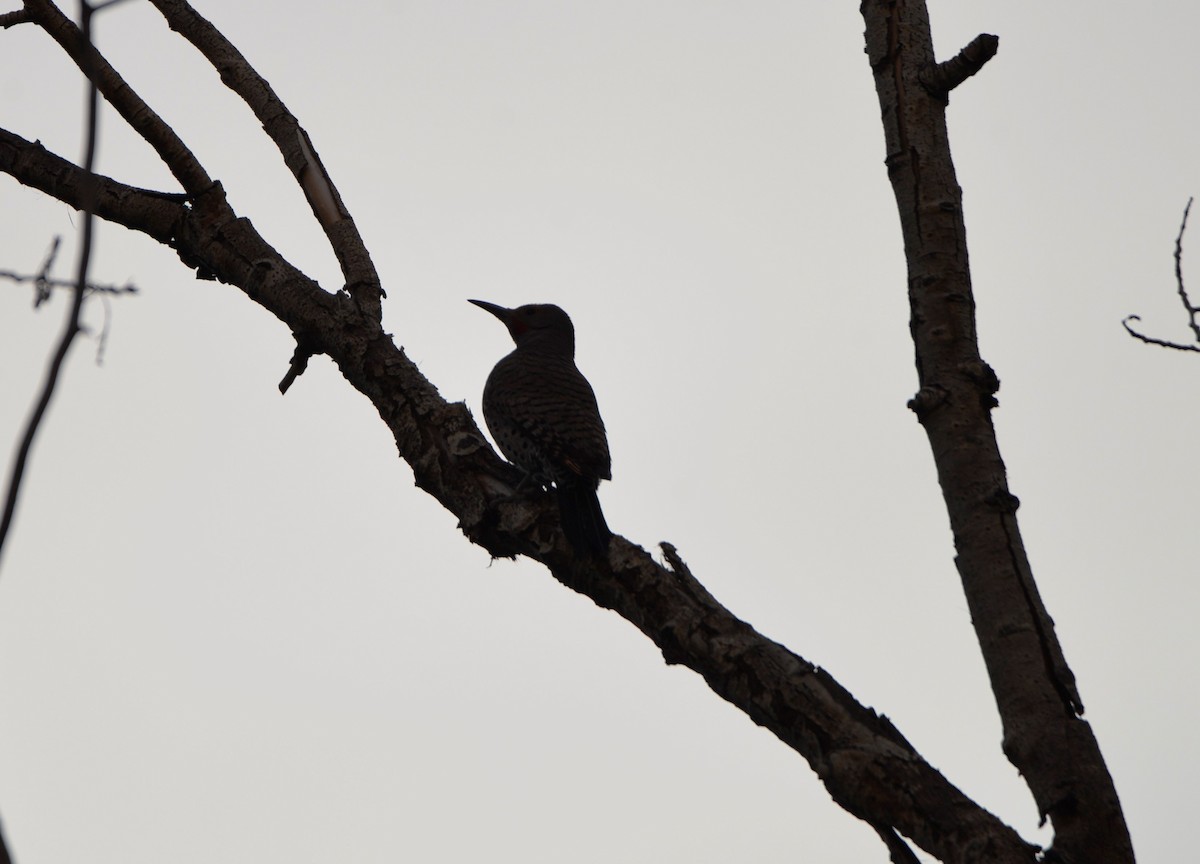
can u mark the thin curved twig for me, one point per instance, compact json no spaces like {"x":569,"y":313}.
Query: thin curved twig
{"x":43,"y":282}
{"x":1044,"y":736}
{"x":1151,"y":340}
{"x":1192,"y":310}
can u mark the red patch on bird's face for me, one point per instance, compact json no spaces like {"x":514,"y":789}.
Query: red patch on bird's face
{"x":516,"y":327}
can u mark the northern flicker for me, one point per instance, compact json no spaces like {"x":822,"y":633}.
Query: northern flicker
{"x":543,"y":414}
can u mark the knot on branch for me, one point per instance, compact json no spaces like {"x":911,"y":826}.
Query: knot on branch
{"x":941,"y":78}
{"x":927,"y":399}
{"x":984,"y":378}
{"x":1002,"y":501}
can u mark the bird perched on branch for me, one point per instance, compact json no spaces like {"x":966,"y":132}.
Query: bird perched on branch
{"x":543,"y":414}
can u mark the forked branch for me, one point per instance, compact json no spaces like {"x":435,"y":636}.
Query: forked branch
{"x":1190,"y":308}
{"x":293,"y":143}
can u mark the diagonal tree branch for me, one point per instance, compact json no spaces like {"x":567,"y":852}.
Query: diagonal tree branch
{"x":156,"y":214}
{"x":43,"y":283}
{"x":358,"y":270}
{"x":174,"y":154}
{"x":1044,"y":735}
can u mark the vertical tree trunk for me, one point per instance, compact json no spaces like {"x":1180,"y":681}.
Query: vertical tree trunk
{"x":1044,"y":735}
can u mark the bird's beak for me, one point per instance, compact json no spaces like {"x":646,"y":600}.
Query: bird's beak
{"x":499,"y":311}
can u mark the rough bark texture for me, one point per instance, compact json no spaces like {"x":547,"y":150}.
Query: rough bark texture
{"x":1044,"y":735}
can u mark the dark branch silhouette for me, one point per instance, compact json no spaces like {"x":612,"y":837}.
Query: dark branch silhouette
{"x":71,"y":327}
{"x":1045,"y":737}
{"x":1192,"y":310}
{"x":944,"y":77}
{"x":43,"y":282}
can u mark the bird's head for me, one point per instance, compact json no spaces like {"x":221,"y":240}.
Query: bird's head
{"x":535,"y":324}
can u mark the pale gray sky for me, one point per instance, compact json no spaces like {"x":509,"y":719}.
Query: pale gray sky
{"x":232,"y":630}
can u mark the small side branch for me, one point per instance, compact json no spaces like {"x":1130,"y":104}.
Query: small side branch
{"x":899,"y":852}
{"x":11,"y":19}
{"x":305,"y":349}
{"x":1150,"y":340}
{"x":944,"y":77}
{"x":156,"y":214}
{"x":1192,"y":310}
{"x":44,"y":283}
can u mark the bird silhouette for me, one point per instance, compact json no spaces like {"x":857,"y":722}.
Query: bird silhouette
{"x":544,"y":417}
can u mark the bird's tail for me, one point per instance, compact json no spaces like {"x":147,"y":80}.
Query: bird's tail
{"x":583,"y":520}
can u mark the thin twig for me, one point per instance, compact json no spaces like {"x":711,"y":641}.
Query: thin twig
{"x":71,"y":327}
{"x":1183,"y":296}
{"x":1150,"y":340}
{"x":43,"y":282}
{"x":1192,"y":310}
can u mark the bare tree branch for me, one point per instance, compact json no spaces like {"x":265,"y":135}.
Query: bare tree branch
{"x":156,"y":214}
{"x":1044,"y":735}
{"x":174,"y":154}
{"x":1192,"y":310}
{"x":1150,"y":340}
{"x":944,"y":77}
{"x":71,"y":327}
{"x":43,"y":282}
{"x":11,"y":19}
{"x":358,"y":270}
{"x":898,"y":851}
